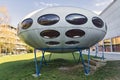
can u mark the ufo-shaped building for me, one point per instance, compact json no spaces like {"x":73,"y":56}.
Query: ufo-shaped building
{"x":62,"y":29}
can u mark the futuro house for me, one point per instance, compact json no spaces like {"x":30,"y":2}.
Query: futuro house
{"x":62,"y":29}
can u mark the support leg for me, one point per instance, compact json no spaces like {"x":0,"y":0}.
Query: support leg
{"x":41,"y":61}
{"x":86,"y":68}
{"x":38,"y":68}
{"x":74,"y":57}
{"x":43,"y":55}
{"x":50,"y":56}
{"x":102,"y":53}
{"x":36,"y":65}
{"x":96,"y":50}
{"x":79,"y":58}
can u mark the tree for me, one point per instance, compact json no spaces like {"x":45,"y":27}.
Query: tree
{"x":6,"y":36}
{"x":9,"y":42}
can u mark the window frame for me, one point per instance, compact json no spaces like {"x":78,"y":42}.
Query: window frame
{"x":23,"y":25}
{"x":97,"y":24}
{"x":75,"y":33}
{"x":48,"y":36}
{"x":46,"y":24}
{"x":72,"y":42}
{"x":80,"y":15}
{"x":52,"y":43}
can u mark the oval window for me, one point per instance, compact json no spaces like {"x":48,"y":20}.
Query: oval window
{"x":52,"y":43}
{"x":97,"y":22}
{"x":26,"y":23}
{"x":75,"y":33}
{"x":48,"y":19}
{"x":76,"y":19}
{"x":71,"y":42}
{"x":49,"y":34}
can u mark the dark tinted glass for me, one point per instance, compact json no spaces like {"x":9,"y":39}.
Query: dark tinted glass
{"x":75,"y":33}
{"x":49,"y":33}
{"x":72,"y":42}
{"x":76,"y":19}
{"x":52,"y":43}
{"x":97,"y":22}
{"x":26,"y":23}
{"x":48,"y":19}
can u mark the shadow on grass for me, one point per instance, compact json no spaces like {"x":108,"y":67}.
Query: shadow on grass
{"x":23,"y":70}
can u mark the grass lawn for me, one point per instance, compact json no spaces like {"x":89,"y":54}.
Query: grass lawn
{"x":21,"y":67}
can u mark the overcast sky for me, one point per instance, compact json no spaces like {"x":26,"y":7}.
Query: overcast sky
{"x":18,"y":9}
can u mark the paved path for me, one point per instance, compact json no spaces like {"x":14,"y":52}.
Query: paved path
{"x":108,"y":55}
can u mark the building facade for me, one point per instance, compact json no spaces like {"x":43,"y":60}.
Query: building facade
{"x":9,"y":41}
{"x":112,"y":17}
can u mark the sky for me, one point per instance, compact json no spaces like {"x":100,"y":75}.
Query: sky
{"x":18,"y":9}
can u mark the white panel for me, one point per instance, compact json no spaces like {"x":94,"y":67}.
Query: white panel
{"x":112,"y":18}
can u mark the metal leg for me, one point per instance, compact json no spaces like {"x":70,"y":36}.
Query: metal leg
{"x":43,"y":54}
{"x":79,"y":58}
{"x":38,"y":69}
{"x":102,"y":53}
{"x":74,"y":57}
{"x":36,"y":65}
{"x":50,"y":56}
{"x":41,"y":61}
{"x":96,"y":50}
{"x":86,"y":69}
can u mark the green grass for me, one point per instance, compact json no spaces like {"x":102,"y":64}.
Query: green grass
{"x":21,"y":67}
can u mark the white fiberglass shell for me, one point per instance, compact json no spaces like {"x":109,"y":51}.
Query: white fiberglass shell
{"x":61,"y":35}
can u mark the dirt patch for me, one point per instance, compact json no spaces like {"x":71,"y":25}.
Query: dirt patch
{"x":70,"y":68}
{"x":94,"y":65}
